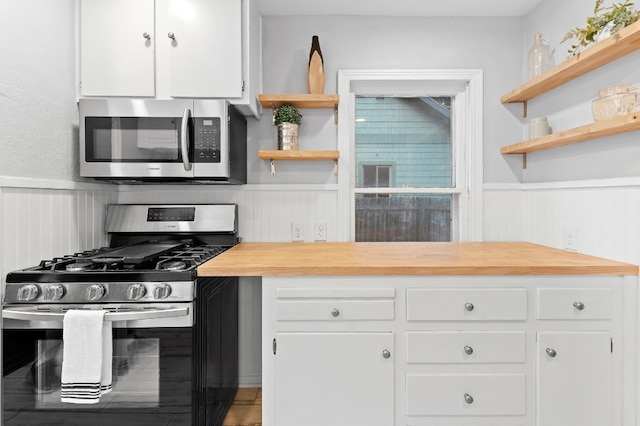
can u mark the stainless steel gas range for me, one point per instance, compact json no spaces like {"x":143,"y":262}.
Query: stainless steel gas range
{"x":175,"y":335}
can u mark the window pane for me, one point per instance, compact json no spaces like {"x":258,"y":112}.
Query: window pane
{"x":411,"y":135}
{"x":369,"y":176}
{"x":383,"y":177}
{"x":403,"y":217}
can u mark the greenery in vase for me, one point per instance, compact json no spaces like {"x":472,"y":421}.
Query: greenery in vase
{"x":287,"y":114}
{"x":619,"y":15}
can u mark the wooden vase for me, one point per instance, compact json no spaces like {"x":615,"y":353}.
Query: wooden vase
{"x":315,"y":75}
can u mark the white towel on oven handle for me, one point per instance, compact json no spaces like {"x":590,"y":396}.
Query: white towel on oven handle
{"x":86,"y":357}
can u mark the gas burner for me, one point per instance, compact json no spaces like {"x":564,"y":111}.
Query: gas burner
{"x":78,"y":266}
{"x":172,"y":265}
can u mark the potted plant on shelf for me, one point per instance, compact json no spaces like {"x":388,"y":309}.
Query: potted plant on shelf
{"x":605,"y":21}
{"x":287,"y":119}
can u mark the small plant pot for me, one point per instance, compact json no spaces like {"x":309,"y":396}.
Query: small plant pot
{"x":288,"y":137}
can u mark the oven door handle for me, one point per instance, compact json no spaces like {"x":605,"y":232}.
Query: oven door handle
{"x":184,"y":139}
{"x":109,"y":316}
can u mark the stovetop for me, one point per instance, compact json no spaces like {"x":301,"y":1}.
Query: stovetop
{"x":153,"y":256}
{"x":162,"y":260}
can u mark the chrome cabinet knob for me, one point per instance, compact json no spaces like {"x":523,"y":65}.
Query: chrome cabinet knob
{"x":162,"y":291}
{"x":551,"y":352}
{"x":335,"y":313}
{"x":136,"y":291}
{"x":578,"y":305}
{"x":386,"y":354}
{"x":28,"y":292}
{"x":172,"y":36}
{"x":146,"y":36}
{"x":468,"y":350}
{"x":469,"y":306}
{"x":94,"y":292}
{"x":53,"y":292}
{"x":468,"y":398}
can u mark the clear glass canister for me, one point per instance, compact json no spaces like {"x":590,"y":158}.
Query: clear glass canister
{"x":538,"y":56}
{"x":614,"y":101}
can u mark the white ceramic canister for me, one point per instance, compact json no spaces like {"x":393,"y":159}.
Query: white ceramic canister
{"x":538,"y":127}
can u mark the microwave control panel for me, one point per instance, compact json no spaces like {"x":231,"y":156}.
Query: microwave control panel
{"x":206,"y":138}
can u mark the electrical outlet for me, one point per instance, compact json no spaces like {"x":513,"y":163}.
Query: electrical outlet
{"x":297,"y":231}
{"x":320,"y":231}
{"x":570,"y":235}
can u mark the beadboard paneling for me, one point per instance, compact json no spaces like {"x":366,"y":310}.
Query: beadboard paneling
{"x":265,"y":213}
{"x":40,"y":223}
{"x":605,"y":216}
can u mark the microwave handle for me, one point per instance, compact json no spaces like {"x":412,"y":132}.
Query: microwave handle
{"x":184,"y":139}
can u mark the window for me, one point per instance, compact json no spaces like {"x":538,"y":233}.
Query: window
{"x":415,"y":137}
{"x":375,"y":176}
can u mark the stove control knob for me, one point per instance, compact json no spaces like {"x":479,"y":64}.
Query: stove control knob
{"x":28,"y":292}
{"x":53,"y":292}
{"x":94,"y":292}
{"x":162,"y":291}
{"x":136,"y":291}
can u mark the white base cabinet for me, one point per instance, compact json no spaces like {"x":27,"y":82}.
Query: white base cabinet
{"x":574,"y":378}
{"x":337,"y":378}
{"x":450,"y":350}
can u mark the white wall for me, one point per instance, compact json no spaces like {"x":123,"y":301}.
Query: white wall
{"x":591,"y":186}
{"x":38,"y":112}
{"x":362,"y":42}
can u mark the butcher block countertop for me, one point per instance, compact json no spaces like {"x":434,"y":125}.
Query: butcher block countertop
{"x":353,"y":259}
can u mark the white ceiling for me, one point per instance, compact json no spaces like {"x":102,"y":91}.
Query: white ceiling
{"x":399,"y":7}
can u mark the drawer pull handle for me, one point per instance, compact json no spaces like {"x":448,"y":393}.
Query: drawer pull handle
{"x":335,"y":312}
{"x":578,"y":305}
{"x":386,"y":354}
{"x":468,"y":350}
{"x":551,"y":352}
{"x":468,"y":398}
{"x":469,"y":306}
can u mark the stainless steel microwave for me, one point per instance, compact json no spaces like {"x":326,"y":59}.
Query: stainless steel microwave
{"x":180,"y":140}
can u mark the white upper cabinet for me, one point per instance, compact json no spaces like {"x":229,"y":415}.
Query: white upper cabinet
{"x":117,"y":46}
{"x":167,"y":49}
{"x":202,"y":40}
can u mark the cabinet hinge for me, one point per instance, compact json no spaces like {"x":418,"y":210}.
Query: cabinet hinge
{"x":274,"y":346}
{"x":612,"y":345}
{"x":243,"y":85}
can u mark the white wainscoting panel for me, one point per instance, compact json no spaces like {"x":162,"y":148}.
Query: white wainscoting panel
{"x":265,"y":212}
{"x":40,"y":223}
{"x":605,"y":215}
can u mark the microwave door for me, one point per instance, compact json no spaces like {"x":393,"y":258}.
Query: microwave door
{"x":135,"y":139}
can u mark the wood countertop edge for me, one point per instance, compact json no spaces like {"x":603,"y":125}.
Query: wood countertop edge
{"x":416,"y":271}
{"x":370,"y":259}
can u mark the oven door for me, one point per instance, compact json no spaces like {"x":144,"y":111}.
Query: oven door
{"x":154,"y":354}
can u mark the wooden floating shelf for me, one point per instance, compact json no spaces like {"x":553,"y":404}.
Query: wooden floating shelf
{"x":589,"y":59}
{"x":304,"y":155}
{"x":299,"y":101}
{"x":599,"y":129}
{"x":299,"y":155}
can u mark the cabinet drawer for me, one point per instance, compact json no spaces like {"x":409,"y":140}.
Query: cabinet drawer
{"x":466,"y":395}
{"x":574,"y":303}
{"x":466,"y":347}
{"x":334,"y":310}
{"x":334,"y":304}
{"x":466,"y":304}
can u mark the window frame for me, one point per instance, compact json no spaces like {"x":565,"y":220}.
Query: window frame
{"x":465,"y":86}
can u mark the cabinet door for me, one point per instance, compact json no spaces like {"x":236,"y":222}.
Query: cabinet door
{"x":574,"y":379}
{"x":117,"y":40}
{"x":338,"y":379}
{"x":205,"y":53}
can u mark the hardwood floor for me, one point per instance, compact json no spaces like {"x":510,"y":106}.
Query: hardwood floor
{"x":246,"y":409}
